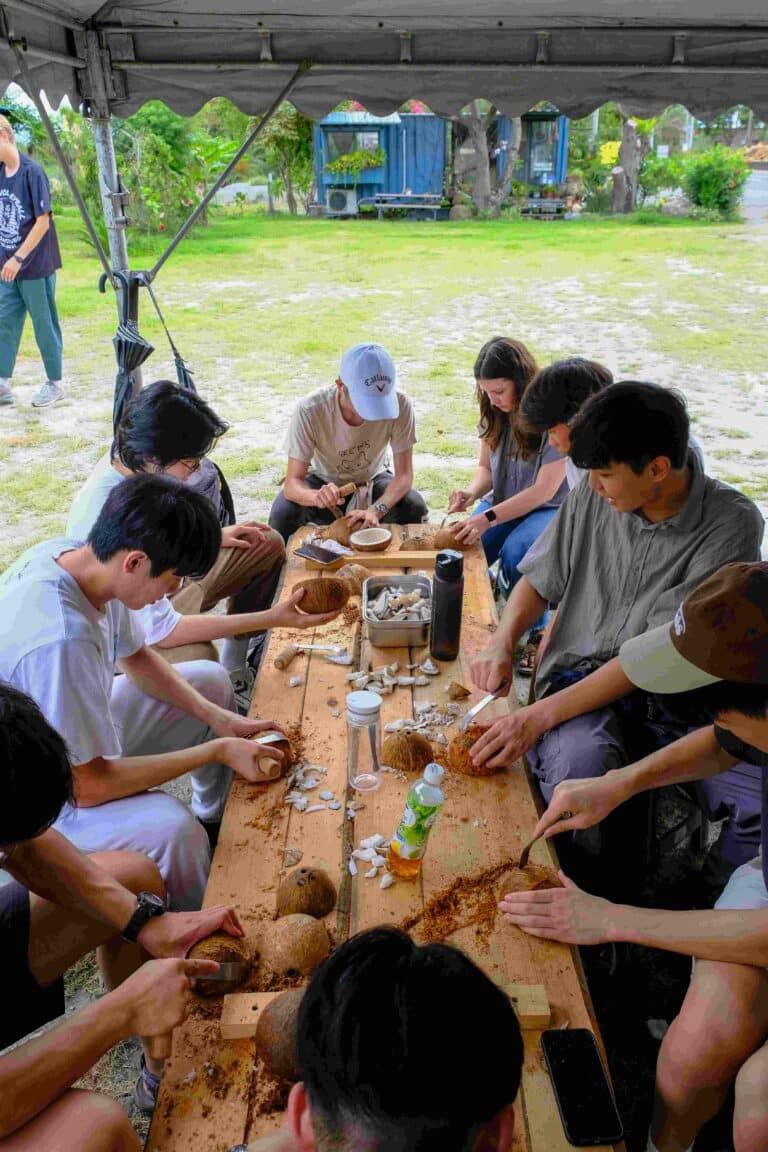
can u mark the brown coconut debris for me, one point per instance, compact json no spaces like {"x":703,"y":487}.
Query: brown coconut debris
{"x":472,"y":900}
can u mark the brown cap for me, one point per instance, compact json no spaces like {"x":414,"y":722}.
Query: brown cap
{"x":720,"y":632}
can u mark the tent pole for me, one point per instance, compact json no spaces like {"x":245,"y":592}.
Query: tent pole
{"x":113,"y":200}
{"x":29,"y":88}
{"x":302,"y":69}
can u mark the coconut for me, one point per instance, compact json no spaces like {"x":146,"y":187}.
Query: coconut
{"x":283,"y":744}
{"x":434,"y":542}
{"x":275,"y":1037}
{"x":532,"y":878}
{"x":306,"y":890}
{"x":456,"y":691}
{"x":340,"y":531}
{"x":459,"y":750}
{"x":407,"y":751}
{"x":295,"y":943}
{"x":444,"y":538}
{"x":355,"y":575}
{"x":225,"y":949}
{"x":323,"y":595}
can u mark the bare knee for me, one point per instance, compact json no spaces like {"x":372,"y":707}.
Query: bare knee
{"x":133,"y":870}
{"x":708,"y":1041}
{"x":78,"y":1121}
{"x":750,"y":1120}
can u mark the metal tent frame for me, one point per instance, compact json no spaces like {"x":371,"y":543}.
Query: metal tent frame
{"x":110,"y":56}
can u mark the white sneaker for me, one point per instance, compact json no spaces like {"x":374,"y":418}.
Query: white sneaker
{"x":6,"y":395}
{"x":49,"y":393}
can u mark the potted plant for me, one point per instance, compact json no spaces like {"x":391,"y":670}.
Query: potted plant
{"x":349,"y":167}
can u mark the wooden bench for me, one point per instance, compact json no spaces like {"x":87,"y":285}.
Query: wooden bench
{"x":383,"y":201}
{"x":212,"y":1096}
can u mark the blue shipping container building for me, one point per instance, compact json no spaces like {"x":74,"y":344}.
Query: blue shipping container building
{"x":416,"y":148}
{"x":415,"y":156}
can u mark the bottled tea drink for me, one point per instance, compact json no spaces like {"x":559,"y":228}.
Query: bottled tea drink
{"x":409,"y":843}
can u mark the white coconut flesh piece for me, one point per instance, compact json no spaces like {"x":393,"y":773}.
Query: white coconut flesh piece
{"x":395,"y":604}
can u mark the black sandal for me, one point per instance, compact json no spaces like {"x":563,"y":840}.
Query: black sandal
{"x":526,"y":664}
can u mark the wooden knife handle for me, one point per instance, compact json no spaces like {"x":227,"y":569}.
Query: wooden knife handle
{"x":347,"y":489}
{"x":160,"y":1046}
{"x":283,"y":659}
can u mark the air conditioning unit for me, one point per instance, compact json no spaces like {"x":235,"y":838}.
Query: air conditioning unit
{"x":341,"y":201}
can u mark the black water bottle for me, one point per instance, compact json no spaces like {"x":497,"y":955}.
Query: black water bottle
{"x":447,"y":597}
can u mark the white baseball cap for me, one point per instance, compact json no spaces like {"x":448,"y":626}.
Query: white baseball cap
{"x":369,"y":374}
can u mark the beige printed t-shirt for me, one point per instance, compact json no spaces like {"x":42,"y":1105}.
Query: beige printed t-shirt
{"x":320,"y":437}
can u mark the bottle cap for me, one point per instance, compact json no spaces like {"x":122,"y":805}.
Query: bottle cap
{"x":364,"y":703}
{"x":433,"y":773}
{"x":449,"y":564}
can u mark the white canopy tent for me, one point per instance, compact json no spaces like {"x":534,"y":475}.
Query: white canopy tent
{"x":112,"y":57}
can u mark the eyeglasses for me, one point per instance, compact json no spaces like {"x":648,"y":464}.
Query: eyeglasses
{"x":190,"y":465}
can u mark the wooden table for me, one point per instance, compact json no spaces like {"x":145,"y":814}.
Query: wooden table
{"x":211,"y":1097}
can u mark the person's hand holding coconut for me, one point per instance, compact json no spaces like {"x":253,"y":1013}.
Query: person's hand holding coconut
{"x":470,"y":531}
{"x":290,"y":614}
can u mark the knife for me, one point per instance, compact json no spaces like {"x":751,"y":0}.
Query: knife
{"x":486,"y":700}
{"x":232,"y":970}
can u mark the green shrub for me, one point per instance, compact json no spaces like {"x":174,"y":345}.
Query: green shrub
{"x":658,"y":172}
{"x":715,"y":179}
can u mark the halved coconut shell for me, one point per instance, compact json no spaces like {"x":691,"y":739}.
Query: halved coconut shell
{"x":225,"y":949}
{"x":459,"y":749}
{"x":407,"y":751}
{"x":355,"y":576}
{"x":326,"y":594}
{"x":307,"y":890}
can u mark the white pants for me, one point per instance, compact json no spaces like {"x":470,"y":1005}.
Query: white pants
{"x":153,"y":822}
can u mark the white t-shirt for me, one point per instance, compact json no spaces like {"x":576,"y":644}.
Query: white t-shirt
{"x":572,"y":473}
{"x":158,"y":620}
{"x":61,"y":651}
{"x":320,"y":437}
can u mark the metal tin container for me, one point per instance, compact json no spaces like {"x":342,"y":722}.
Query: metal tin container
{"x":395,"y":633}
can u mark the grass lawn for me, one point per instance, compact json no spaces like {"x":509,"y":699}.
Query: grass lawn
{"x":262,"y":308}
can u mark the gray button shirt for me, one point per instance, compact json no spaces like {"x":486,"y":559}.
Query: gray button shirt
{"x":615,"y":574}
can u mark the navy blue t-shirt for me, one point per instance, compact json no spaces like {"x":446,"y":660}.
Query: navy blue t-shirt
{"x":23,"y":197}
{"x":751,"y":755}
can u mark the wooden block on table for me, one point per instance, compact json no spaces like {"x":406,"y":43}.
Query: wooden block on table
{"x":531,"y":1004}
{"x":240,"y":1013}
{"x":389,"y":559}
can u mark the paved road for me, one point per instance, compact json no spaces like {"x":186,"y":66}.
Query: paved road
{"x":754,"y":206}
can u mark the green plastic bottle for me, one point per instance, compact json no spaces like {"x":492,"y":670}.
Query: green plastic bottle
{"x":409,"y":843}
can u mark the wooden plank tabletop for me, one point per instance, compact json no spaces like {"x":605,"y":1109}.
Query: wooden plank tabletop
{"x":214,"y":1093}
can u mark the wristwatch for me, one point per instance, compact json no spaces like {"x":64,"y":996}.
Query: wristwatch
{"x":147,"y":906}
{"x":19,"y":259}
{"x":490,"y":515}
{"x":381,"y":508}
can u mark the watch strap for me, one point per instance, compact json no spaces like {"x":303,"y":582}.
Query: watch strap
{"x":147,"y":906}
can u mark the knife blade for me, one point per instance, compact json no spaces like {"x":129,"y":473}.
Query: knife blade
{"x":232,"y":970}
{"x":486,"y":700}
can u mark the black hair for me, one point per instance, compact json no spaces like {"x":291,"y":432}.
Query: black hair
{"x":723,"y":696}
{"x":558,"y":391}
{"x":164,"y":424}
{"x":175,"y":526}
{"x":630,"y":422}
{"x":401,"y":1044}
{"x":35,"y":769}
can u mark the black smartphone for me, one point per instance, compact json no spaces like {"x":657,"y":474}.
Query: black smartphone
{"x":318,"y":554}
{"x":584,"y":1098}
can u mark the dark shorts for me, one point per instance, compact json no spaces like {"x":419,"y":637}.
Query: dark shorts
{"x":25,"y":1006}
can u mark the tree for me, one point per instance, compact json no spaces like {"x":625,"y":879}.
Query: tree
{"x":287,"y":144}
{"x":478,"y":119}
{"x":635,"y":142}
